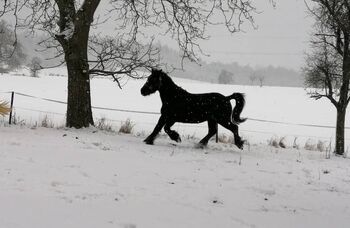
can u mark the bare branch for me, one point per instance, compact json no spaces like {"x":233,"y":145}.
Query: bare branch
{"x":120,"y":56}
{"x":184,"y":20}
{"x":327,"y":69}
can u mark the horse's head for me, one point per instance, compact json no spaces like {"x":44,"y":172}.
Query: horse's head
{"x":153,"y":83}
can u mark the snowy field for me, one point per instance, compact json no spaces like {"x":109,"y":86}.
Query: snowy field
{"x":91,"y":178}
{"x":69,"y":178}
{"x":290,"y":106}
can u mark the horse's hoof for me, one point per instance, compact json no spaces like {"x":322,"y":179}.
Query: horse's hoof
{"x":149,"y":142}
{"x":240,"y":144}
{"x":175,"y":137}
{"x":201,"y":145}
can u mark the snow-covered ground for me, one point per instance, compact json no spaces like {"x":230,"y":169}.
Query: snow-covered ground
{"x":88,"y":178}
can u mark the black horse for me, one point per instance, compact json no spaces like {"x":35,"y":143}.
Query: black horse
{"x":182,"y":106}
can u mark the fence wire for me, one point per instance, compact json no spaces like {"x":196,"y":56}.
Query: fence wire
{"x":157,"y":113}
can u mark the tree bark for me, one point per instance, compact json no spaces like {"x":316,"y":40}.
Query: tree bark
{"x":75,"y":27}
{"x":79,"y":112}
{"x":343,"y":100}
{"x":340,"y":131}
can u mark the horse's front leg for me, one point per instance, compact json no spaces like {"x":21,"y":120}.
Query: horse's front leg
{"x":157,"y":129}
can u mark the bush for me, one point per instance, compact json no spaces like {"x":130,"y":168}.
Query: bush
{"x":222,"y":138}
{"x":46,"y":122}
{"x":16,"y":120}
{"x":126,"y":127}
{"x":310,"y":145}
{"x":321,"y":146}
{"x":282,"y":142}
{"x":273,"y":142}
{"x":103,"y":125}
{"x":278,"y":142}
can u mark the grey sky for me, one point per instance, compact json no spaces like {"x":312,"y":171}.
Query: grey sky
{"x":280,"y":39}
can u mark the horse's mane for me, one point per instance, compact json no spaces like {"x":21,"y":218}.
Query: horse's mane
{"x":169,"y":90}
{"x":170,"y":84}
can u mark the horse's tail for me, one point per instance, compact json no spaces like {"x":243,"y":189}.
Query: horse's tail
{"x":4,"y":109}
{"x":237,"y":110}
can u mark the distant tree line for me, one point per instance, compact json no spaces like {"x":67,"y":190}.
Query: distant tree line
{"x":242,"y":75}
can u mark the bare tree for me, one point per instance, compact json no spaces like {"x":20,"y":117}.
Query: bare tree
{"x":261,"y":80}
{"x":68,"y":24}
{"x":225,"y":77}
{"x":35,"y":66}
{"x":327,"y":70}
{"x":11,"y":51}
{"x":253,"y":78}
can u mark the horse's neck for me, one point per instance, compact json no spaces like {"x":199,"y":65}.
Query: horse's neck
{"x":170,"y":91}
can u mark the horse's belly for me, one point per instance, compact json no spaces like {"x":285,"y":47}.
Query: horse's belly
{"x":189,"y":117}
{"x":190,"y":120}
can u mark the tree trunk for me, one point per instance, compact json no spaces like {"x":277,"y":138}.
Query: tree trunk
{"x":79,"y":112}
{"x":340,"y":131}
{"x":73,"y":37}
{"x":343,"y":101}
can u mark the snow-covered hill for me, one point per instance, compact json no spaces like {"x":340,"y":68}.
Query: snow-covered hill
{"x":88,"y":178}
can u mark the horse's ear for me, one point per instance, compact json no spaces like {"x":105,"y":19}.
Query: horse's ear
{"x":155,"y":70}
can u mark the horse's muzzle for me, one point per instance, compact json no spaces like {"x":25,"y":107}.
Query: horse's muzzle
{"x":144,"y":91}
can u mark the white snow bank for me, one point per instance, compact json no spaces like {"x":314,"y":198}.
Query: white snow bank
{"x":68,"y":178}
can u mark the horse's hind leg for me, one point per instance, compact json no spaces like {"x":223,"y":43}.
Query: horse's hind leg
{"x":172,"y":134}
{"x":234,"y":128}
{"x":212,"y":129}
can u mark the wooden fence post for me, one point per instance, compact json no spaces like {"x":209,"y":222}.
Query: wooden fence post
{"x":12,"y":98}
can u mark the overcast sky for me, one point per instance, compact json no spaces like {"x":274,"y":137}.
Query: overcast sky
{"x":281,"y":38}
